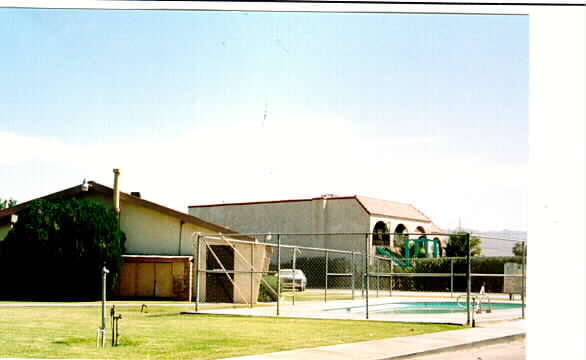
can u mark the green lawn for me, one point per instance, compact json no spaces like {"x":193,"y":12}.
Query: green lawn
{"x":163,"y":333}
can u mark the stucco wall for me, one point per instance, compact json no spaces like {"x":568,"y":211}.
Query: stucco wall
{"x":308,"y":216}
{"x":150,"y":232}
{"x":260,"y":218}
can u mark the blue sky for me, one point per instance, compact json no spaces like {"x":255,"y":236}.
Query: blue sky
{"x":426,"y":109}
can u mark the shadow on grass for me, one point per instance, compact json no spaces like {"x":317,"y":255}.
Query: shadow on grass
{"x":92,"y":341}
{"x":74,"y":341}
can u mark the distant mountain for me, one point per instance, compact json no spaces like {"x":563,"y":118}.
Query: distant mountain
{"x":498,"y":243}
{"x":505,"y":234}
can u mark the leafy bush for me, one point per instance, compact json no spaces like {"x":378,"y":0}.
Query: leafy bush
{"x":457,"y":245}
{"x":56,"y":251}
{"x":265,"y":293}
{"x":482,"y":265}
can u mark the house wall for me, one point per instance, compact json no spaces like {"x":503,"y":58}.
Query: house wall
{"x":308,"y":216}
{"x":150,"y":232}
{"x":293,"y":216}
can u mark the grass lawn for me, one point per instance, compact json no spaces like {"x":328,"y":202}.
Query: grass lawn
{"x":163,"y":333}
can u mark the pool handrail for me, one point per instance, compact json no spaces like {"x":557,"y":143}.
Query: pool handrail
{"x":480,"y":303}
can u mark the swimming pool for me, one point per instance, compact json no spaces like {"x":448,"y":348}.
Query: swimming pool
{"x":428,"y":307}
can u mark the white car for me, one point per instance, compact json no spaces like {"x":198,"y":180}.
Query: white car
{"x":293,"y":279}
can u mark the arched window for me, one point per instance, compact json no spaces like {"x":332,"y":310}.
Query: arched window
{"x":380,"y":236}
{"x":399,"y":235}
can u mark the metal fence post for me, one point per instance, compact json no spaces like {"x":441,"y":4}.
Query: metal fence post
{"x":523,"y":254}
{"x":451,"y":277}
{"x":197,"y":260}
{"x":362,"y":276}
{"x":391,"y":279}
{"x":326,"y":282}
{"x":366,"y":272}
{"x":251,"y":274}
{"x":468,"y":279}
{"x":294,"y":270}
{"x":377,"y":269}
{"x":278,"y":274}
{"x":352,"y":270}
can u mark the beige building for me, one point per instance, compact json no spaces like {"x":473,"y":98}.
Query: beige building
{"x":158,"y":260}
{"x":326,"y":214}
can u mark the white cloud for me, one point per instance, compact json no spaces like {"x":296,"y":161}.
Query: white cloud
{"x":289,"y":158}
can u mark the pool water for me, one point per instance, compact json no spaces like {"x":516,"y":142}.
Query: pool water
{"x":435,"y":307}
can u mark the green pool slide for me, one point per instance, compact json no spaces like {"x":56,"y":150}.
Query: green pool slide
{"x":397,"y":258}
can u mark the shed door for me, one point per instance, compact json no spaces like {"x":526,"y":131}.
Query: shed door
{"x":218,"y":287}
{"x":127,"y":280}
{"x":145,"y":279}
{"x":164,"y":280}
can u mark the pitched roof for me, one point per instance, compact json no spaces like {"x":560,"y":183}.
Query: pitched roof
{"x":95,"y":187}
{"x":391,"y":208}
{"x":372,"y":206}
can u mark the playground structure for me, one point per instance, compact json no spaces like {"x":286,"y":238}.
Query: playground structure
{"x":418,"y":244}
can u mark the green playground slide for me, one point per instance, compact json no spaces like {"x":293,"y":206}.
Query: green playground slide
{"x":397,"y":258}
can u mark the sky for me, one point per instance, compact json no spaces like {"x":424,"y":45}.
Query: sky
{"x":199,"y":107}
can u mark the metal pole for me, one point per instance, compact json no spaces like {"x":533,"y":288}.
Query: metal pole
{"x":377,"y":269}
{"x":468,"y":279}
{"x":352,"y":270}
{"x":102,"y":330}
{"x":251,"y":274}
{"x":366,"y":272}
{"x":391,"y":279}
{"x":104,"y":275}
{"x":363,"y":276}
{"x":112,"y":323}
{"x":326,"y":283}
{"x":523,"y":254}
{"x":451,"y":277}
{"x":278,"y":274}
{"x":294,"y":271}
{"x":197,"y":261}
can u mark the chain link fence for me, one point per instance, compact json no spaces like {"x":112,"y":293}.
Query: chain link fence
{"x":276,"y":270}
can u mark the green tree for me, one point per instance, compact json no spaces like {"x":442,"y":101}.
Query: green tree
{"x":56,"y":250}
{"x":7,"y":203}
{"x":456,"y":246}
{"x":518,"y":249}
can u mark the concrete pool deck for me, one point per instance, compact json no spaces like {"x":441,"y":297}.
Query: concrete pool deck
{"x":407,"y":347}
{"x":334,"y":309}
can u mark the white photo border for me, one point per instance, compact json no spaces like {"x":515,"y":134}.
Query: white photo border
{"x":557,"y":138}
